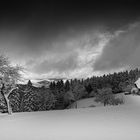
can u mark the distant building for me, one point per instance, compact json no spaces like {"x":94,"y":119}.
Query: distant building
{"x":138,"y":83}
{"x":136,"y":88}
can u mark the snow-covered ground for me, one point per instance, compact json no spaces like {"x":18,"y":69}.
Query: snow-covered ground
{"x":97,"y":123}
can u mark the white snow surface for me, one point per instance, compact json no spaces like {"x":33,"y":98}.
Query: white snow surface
{"x":138,"y":83}
{"x":97,"y":123}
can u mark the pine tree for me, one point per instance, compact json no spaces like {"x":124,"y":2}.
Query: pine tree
{"x":67,"y":86}
{"x":29,"y":83}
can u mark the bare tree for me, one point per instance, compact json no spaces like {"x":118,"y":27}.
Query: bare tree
{"x":9,"y":75}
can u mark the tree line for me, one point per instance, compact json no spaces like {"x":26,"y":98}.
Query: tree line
{"x":60,"y":94}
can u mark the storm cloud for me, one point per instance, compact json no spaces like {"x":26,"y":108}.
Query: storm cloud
{"x":122,"y":51}
{"x":71,"y":39}
{"x":71,"y":55}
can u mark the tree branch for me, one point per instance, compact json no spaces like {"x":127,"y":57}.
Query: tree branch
{"x":7,"y":94}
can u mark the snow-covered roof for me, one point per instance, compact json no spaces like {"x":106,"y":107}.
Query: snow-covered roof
{"x":138,"y":83}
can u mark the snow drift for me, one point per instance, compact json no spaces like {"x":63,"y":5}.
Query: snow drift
{"x":99,"y":123}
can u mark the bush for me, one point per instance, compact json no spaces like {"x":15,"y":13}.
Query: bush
{"x":118,"y":101}
{"x":106,"y":97}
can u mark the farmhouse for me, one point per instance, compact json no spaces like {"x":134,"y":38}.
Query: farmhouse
{"x":136,"y":88}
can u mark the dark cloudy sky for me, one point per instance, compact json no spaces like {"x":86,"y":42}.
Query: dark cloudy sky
{"x":70,"y":38}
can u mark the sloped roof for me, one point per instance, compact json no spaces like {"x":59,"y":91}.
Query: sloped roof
{"x":138,"y":83}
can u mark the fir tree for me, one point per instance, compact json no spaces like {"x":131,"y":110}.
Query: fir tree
{"x":29,"y":83}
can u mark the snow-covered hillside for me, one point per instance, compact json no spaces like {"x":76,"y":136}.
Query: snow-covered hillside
{"x":97,"y":123}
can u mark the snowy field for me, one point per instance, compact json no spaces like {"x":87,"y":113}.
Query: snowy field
{"x":97,"y":123}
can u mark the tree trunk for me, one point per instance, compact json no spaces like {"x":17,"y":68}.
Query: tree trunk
{"x":6,"y":95}
{"x":8,"y":105}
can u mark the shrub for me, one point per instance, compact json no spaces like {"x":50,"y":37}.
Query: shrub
{"x":106,"y":97}
{"x":118,"y":101}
